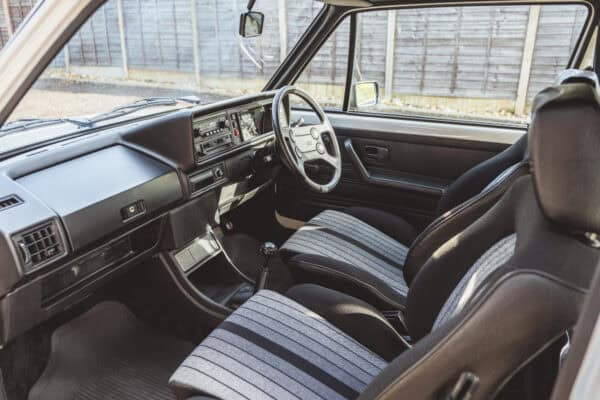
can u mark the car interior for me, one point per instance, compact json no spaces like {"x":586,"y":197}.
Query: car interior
{"x":252,"y":249}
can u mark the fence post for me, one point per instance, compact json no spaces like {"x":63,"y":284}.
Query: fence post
{"x":122,"y":38}
{"x":527,"y":60}
{"x":283,"y":29}
{"x":9,"y":20}
{"x":195,"y":44}
{"x":389,"y":54}
{"x":67,"y":57}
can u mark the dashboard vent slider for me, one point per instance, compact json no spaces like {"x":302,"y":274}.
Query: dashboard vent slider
{"x":9,"y":201}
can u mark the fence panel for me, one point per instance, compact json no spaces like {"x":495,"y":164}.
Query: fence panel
{"x":159,"y":34}
{"x":557,"y":35}
{"x":97,"y":42}
{"x":448,"y":52}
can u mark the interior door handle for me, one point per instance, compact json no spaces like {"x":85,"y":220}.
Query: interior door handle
{"x":377,"y":153}
{"x":387,"y":181}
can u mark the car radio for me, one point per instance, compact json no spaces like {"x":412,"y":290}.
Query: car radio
{"x":214,"y":134}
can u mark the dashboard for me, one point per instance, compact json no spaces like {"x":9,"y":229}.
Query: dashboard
{"x":74,"y":213}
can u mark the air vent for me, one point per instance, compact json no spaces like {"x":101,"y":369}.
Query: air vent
{"x":9,"y":201}
{"x":39,"y":246}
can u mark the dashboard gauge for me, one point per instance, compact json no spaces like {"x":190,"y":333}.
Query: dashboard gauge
{"x":248,"y":125}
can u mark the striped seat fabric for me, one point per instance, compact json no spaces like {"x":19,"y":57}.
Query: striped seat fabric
{"x":273,"y":348}
{"x":495,"y":257}
{"x":342,"y":237}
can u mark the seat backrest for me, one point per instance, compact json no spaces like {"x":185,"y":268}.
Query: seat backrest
{"x":476,"y":191}
{"x":458,"y":218}
{"x":476,"y":179}
{"x":504,"y":289}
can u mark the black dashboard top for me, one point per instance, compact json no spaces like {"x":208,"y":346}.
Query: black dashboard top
{"x":100,"y":185}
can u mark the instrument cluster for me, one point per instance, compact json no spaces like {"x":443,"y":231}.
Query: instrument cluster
{"x":216,"y":133}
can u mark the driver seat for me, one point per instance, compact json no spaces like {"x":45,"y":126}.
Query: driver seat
{"x":375,"y":255}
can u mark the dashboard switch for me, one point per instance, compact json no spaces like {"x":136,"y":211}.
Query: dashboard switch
{"x":218,"y":173}
{"x":133,"y":210}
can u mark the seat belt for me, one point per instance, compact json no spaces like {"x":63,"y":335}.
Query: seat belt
{"x":3,"y":395}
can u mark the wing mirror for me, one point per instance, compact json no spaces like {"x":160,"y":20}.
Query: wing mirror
{"x":251,"y":24}
{"x":364,"y":94}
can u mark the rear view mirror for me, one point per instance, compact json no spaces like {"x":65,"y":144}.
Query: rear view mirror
{"x":364,"y":94}
{"x":251,"y":24}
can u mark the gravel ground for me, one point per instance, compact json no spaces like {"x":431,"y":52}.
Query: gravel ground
{"x":50,"y":103}
{"x":63,"y":97}
{"x":53,"y":98}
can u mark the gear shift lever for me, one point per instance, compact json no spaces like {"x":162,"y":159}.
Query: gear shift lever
{"x":268,"y":250}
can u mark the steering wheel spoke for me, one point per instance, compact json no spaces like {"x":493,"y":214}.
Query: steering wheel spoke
{"x":302,"y":144}
{"x":329,"y":159}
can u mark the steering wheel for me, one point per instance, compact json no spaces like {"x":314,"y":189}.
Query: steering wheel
{"x":301,"y":144}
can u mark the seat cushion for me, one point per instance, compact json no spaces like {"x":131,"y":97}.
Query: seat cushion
{"x":272,"y":347}
{"x":346,"y":249}
{"x":390,"y":224}
{"x":351,"y":315}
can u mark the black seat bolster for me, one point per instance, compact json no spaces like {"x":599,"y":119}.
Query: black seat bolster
{"x":351,"y":315}
{"x":484,"y":340}
{"x":455,"y":221}
{"x":338,"y":275}
{"x":477,"y":178}
{"x":390,"y":224}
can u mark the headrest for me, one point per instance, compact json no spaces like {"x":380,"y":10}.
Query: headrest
{"x":564,"y":145}
{"x":578,"y":76}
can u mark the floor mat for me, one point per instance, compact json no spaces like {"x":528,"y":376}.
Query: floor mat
{"x":107,"y":353}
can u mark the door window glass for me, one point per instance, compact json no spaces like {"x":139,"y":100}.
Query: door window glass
{"x":471,"y":62}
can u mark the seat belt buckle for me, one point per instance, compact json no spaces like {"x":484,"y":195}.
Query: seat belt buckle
{"x":464,"y":387}
{"x":397,"y":319}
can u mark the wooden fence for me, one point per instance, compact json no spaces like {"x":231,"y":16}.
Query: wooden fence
{"x":504,"y":52}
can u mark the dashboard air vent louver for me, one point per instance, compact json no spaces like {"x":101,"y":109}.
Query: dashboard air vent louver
{"x":39,"y":245}
{"x":9,"y":201}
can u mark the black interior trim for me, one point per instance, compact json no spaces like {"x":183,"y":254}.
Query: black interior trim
{"x":351,"y":61}
{"x":581,"y":340}
{"x":381,"y":180}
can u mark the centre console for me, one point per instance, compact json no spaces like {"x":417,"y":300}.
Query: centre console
{"x":234,"y":156}
{"x":194,"y":256}
{"x":214,"y":134}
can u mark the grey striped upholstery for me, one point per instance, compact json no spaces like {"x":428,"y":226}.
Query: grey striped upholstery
{"x":490,"y":261}
{"x":273,"y":348}
{"x":342,"y":237}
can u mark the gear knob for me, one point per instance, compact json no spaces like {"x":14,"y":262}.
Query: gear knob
{"x":268,"y":249}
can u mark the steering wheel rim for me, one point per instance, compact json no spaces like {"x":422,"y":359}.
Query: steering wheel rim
{"x":299,"y":145}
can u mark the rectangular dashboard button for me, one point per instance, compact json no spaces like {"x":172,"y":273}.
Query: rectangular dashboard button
{"x":185,"y":260}
{"x":132,"y":210}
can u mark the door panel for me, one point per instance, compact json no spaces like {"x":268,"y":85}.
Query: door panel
{"x":396,"y":165}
